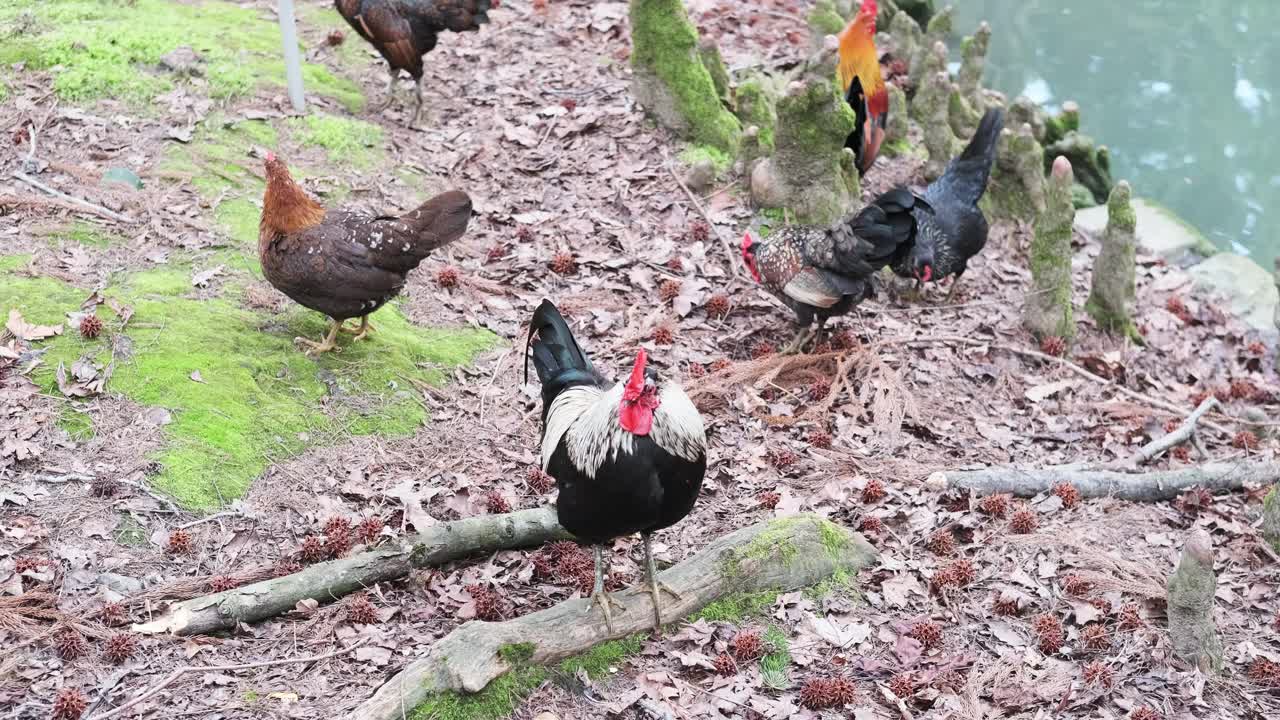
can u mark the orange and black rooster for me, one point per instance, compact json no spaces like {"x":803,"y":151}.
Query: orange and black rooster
{"x":405,"y":30}
{"x":955,"y":230}
{"x":823,"y":272}
{"x":343,"y":263}
{"x":627,"y":457}
{"x":864,"y":90}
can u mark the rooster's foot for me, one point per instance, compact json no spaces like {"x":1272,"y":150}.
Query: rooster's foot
{"x":797,"y":344}
{"x":604,"y":600}
{"x":361,"y":332}
{"x":316,"y":348}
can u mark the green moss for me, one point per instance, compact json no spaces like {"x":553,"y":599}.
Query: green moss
{"x":76,"y":424}
{"x":698,"y":153}
{"x":260,"y":399}
{"x":665,"y":44}
{"x":824,"y":20}
{"x":1271,"y":517}
{"x":250,"y":696}
{"x":86,"y":233}
{"x":347,"y":140}
{"x":9,"y":263}
{"x":735,"y":608}
{"x":756,"y":107}
{"x":501,"y":697}
{"x":903,"y":147}
{"x":112,"y":49}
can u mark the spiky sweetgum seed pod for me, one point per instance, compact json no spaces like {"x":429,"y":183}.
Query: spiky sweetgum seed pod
{"x":820,"y":439}
{"x":782,"y":458}
{"x":90,"y":326}
{"x":1050,"y":642}
{"x":1223,"y":394}
{"x":1023,"y":521}
{"x":1256,"y":348}
{"x":495,"y":503}
{"x":818,"y":390}
{"x":677,"y":265}
{"x":564,"y":264}
{"x":1098,"y":675}
{"x":816,"y":694}
{"x":179,"y":542}
{"x":524,"y":234}
{"x":768,"y":499}
{"x":1171,"y":424}
{"x":843,"y":340}
{"x":335,"y":38}
{"x":902,"y":685}
{"x":1175,"y":305}
{"x":1076,"y":585}
{"x":747,"y":645}
{"x":944,"y":579}
{"x":843,"y":691}
{"x":543,"y":566}
{"x":68,"y":704}
{"x":962,"y":571}
{"x":1242,"y":389}
{"x":370,"y":529}
{"x":222,"y":583}
{"x":447,"y":277}
{"x":929,"y":634}
{"x":871,"y":525}
{"x":762,"y":350}
{"x":995,"y":505}
{"x":725,"y":664}
{"x":27,"y":563}
{"x":696,"y":370}
{"x":1095,"y":636}
{"x":486,"y":602}
{"x":721,"y":364}
{"x":569,"y":104}
{"x":112,"y":614}
{"x":1245,"y":440}
{"x":718,"y":306}
{"x":337,"y":525}
{"x":313,"y":549}
{"x":338,"y":542}
{"x":495,"y":253}
{"x":1005,"y":604}
{"x":669,"y":290}
{"x":1054,"y":346}
{"x":1264,"y":672}
{"x":1180,"y":453}
{"x":1068,"y":493}
{"x":1046,"y":623}
{"x":873,"y":492}
{"x":1130,"y":617}
{"x":941,"y":542}
{"x":1102,"y":605}
{"x":119,"y":648}
{"x":70,"y":644}
{"x":1145,"y":713}
{"x":287,"y":567}
{"x":362,"y":612}
{"x":699,"y":231}
{"x":103,"y":487}
{"x":1199,"y":397}
{"x":539,"y":481}
{"x":663,"y":335}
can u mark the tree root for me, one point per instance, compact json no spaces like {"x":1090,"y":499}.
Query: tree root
{"x":782,"y":554}
{"x":331,"y":580}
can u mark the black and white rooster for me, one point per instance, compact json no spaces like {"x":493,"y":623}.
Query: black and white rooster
{"x":627,"y":457}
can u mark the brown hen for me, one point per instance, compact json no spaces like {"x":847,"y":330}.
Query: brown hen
{"x":344,"y":263}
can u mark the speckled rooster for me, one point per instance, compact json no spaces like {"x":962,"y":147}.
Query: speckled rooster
{"x":823,"y":272}
{"x":864,"y":89}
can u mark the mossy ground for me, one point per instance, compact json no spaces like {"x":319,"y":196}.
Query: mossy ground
{"x":501,"y":697}
{"x":258,"y":399}
{"x":101,"y":49}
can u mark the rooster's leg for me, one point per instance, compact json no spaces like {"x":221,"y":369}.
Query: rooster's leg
{"x":798,"y":341}
{"x":417,"y":106}
{"x":329,"y":342}
{"x":391,"y":90}
{"x":955,"y":283}
{"x":656,"y":588}
{"x":361,"y":332}
{"x":599,"y":596}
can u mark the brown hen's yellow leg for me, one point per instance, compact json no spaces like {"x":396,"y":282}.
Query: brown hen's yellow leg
{"x":599,"y":596}
{"x":361,"y":332}
{"x":391,"y":92}
{"x":329,"y":342}
{"x":656,"y":588}
{"x":417,"y":107}
{"x":798,"y":342}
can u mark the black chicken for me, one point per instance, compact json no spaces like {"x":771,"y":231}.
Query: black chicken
{"x":627,"y":457}
{"x":405,"y":30}
{"x":956,"y":229}
{"x":824,"y":272}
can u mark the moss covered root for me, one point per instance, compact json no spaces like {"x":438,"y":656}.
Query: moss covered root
{"x":671,"y":79}
{"x":1048,"y":311}
{"x":1112,"y":294}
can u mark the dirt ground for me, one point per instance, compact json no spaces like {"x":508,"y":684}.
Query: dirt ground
{"x":533,"y":117}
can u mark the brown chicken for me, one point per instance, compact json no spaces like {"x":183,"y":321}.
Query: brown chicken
{"x":343,"y":263}
{"x":405,"y":30}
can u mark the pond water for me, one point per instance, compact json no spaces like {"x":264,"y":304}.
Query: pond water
{"x":1183,"y":92}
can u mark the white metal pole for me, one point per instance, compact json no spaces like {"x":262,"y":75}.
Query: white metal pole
{"x":292,"y":59}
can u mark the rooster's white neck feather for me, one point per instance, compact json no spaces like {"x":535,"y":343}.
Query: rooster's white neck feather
{"x":586,"y":418}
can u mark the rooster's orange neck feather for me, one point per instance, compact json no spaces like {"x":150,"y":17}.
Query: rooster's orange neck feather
{"x":286,"y":208}
{"x":858,"y":58}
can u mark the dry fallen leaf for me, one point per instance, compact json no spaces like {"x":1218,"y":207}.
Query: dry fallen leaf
{"x":24,"y":330}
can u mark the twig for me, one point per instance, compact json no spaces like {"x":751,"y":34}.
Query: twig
{"x":1079,"y":370}
{"x":1181,"y":434}
{"x":84,"y":204}
{"x":211,"y":518}
{"x":172,"y":677}
{"x":105,"y":689}
{"x":734,"y":261}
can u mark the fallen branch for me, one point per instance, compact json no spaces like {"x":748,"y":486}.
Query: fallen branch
{"x":173,"y":676}
{"x":1181,"y":434}
{"x":782,"y":554}
{"x":331,"y":580}
{"x":1136,"y":487}
{"x":734,"y":258}
{"x":77,"y":202}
